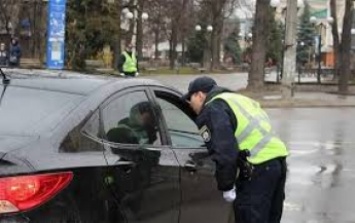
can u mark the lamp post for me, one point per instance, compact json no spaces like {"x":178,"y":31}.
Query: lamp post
{"x":246,"y":43}
{"x":289,"y":47}
{"x":137,"y":35}
{"x":321,"y":26}
{"x":207,"y":51}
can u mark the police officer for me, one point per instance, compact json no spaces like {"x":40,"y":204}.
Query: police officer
{"x":128,"y":64}
{"x":250,"y":158}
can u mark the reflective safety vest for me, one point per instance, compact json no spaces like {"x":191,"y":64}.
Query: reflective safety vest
{"x":254,"y":131}
{"x":130,"y":64}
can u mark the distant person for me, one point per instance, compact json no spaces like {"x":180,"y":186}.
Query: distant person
{"x":14,"y":53}
{"x":3,"y":55}
{"x":128,"y":64}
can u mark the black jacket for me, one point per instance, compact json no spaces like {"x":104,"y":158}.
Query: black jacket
{"x":218,"y":119}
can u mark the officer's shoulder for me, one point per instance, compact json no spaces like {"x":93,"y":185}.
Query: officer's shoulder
{"x":217,"y":103}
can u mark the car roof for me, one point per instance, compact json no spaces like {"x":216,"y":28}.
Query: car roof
{"x":64,"y":95}
{"x":71,"y":82}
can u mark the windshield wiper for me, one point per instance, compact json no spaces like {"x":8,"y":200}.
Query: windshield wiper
{"x":5,"y":80}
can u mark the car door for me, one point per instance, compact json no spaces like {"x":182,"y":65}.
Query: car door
{"x":201,"y":201}
{"x":145,"y":171}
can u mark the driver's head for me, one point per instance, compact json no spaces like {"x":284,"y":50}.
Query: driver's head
{"x":142,"y":114}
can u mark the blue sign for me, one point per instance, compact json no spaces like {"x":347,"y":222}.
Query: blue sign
{"x":56,"y":34}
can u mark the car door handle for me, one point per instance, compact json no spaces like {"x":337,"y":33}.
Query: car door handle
{"x":191,"y":167}
{"x":153,"y":149}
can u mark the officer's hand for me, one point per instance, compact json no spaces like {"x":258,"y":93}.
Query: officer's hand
{"x":137,"y":74}
{"x":122,"y":74}
{"x":230,"y":195}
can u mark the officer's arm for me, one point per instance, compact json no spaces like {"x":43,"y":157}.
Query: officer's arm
{"x":121,"y":61}
{"x":222,"y":145}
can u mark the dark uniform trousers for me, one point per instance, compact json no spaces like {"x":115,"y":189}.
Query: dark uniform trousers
{"x":260,"y":198}
{"x":129,"y":74}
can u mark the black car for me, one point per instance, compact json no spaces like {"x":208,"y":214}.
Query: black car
{"x":102,"y":150}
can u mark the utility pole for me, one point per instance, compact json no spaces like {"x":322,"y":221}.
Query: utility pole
{"x":289,"y":62}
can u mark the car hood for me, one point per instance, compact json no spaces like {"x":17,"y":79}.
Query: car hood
{"x":10,"y":143}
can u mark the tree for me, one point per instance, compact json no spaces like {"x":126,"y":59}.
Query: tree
{"x":232,"y":47}
{"x":90,"y":26}
{"x":261,"y":29}
{"x":305,"y":36}
{"x":9,"y":15}
{"x":215,"y":12}
{"x":274,"y":46}
{"x":342,"y":46}
{"x":195,"y":46}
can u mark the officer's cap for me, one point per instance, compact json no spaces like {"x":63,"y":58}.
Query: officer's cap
{"x":204,"y":84}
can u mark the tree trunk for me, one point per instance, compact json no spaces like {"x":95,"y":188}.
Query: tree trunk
{"x":260,"y":31}
{"x":345,"y":48}
{"x":156,"y":42}
{"x":216,"y":41}
{"x":335,"y":34}
{"x":139,"y":39}
{"x":219,"y":44}
{"x":183,"y":43}
{"x":118,"y":39}
{"x":173,"y":43}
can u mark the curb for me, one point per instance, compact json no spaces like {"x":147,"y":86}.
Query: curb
{"x":304,"y":104}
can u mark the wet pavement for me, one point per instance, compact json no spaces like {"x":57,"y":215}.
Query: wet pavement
{"x":320,"y":185}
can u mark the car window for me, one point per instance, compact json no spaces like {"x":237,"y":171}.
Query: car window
{"x":84,"y":137}
{"x":182,"y":129}
{"x":92,"y":126}
{"x":130,"y":119}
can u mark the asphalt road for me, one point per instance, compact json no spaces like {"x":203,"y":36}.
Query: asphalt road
{"x":320,"y":185}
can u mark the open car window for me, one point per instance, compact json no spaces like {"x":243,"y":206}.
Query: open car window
{"x":130,"y":119}
{"x":182,"y":129}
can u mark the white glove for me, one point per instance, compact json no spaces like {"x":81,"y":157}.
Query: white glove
{"x":137,"y":74}
{"x":230,"y":195}
{"x":122,"y":74}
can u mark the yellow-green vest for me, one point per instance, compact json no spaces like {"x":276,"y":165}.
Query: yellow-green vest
{"x":254,"y":131}
{"x":130,"y":65}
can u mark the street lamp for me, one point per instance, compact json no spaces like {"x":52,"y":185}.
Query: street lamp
{"x":245,"y":42}
{"x":247,"y":38}
{"x":145,"y":16}
{"x":207,"y":49}
{"x":209,"y":28}
{"x":137,"y":39}
{"x":288,"y":49}
{"x":321,"y":25}
{"x":129,"y":15}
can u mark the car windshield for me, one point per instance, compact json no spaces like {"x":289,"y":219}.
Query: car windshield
{"x":26,"y":110}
